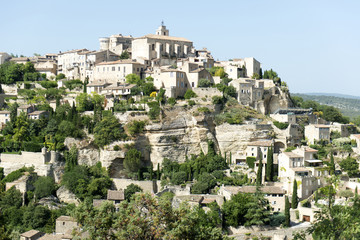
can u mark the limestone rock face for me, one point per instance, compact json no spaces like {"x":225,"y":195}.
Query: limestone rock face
{"x":64,"y":195}
{"x":274,"y":98}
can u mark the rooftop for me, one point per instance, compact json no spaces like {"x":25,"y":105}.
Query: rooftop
{"x":161,"y":37}
{"x":115,"y":195}
{"x":36,"y":112}
{"x":30,"y":233}
{"x":292,"y":155}
{"x":122,"y":61}
{"x":66,"y":218}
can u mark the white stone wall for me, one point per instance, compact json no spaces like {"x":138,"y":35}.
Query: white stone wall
{"x":147,"y":186}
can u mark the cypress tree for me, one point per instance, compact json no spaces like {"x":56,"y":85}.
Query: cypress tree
{"x":259,"y":172}
{"x":356,"y":193}
{"x":287,"y":212}
{"x":316,"y":196}
{"x":230,"y":159}
{"x":151,"y":172}
{"x":294,"y":199}
{"x":269,"y":165}
{"x":158,"y":172}
{"x":332,"y":164}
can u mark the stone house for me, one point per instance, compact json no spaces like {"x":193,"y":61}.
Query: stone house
{"x":258,"y":149}
{"x":96,"y":86}
{"x":317,"y":132}
{"x":248,"y":91}
{"x":79,"y":64}
{"x":301,"y":165}
{"x":115,"y":196}
{"x":64,"y":224}
{"x":203,"y":58}
{"x":4,"y":118}
{"x":49,"y":68}
{"x":26,"y":109}
{"x":116,"y":71}
{"x":344,"y":129}
{"x":119,"y":91}
{"x":356,"y":138}
{"x":31,"y":235}
{"x":38,"y":115}
{"x":239,"y":68}
{"x":275,"y":195}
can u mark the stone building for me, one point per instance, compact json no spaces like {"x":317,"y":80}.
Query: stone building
{"x":31,"y":235}
{"x":301,"y":165}
{"x":4,"y":118}
{"x":116,"y":43}
{"x":79,"y":64}
{"x":203,"y":58}
{"x":64,"y":224}
{"x":317,"y":132}
{"x":115,"y":72}
{"x":161,"y":46}
{"x":239,"y":68}
{"x":275,"y":195}
{"x":248,"y":91}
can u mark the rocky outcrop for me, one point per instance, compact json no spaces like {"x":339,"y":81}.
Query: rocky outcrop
{"x":274,"y":98}
{"x":64,"y":195}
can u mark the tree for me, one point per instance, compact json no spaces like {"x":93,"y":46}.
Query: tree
{"x":332,"y":164}
{"x":132,"y":160}
{"x":71,"y":158}
{"x":134,"y":79}
{"x":346,"y":194}
{"x":98,"y":222}
{"x":287,"y":212}
{"x":269,"y":165}
{"x":178,"y":178}
{"x":258,"y":210}
{"x":190,"y":94}
{"x":125,"y":55}
{"x":351,"y":166}
{"x":44,"y":186}
{"x":294,"y":199}
{"x":131,"y":190}
{"x":259,"y":172}
{"x":204,"y":83}
{"x":108,"y":130}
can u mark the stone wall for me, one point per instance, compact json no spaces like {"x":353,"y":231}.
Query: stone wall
{"x":207,"y":92}
{"x":147,"y":186}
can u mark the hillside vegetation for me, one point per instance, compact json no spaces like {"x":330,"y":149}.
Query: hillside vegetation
{"x":350,"y":107}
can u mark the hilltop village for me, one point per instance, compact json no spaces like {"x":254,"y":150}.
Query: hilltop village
{"x":151,"y":138}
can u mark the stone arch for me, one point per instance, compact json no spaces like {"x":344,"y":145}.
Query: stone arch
{"x":277,"y":146}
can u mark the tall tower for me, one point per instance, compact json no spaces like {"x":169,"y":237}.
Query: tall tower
{"x":162,"y":30}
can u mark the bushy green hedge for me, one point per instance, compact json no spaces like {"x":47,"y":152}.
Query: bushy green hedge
{"x":16,"y":174}
{"x":281,"y":125}
{"x":190,"y":94}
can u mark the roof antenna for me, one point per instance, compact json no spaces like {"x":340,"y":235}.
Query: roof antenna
{"x":162,"y":23}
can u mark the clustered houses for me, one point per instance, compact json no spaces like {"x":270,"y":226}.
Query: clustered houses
{"x":302,"y":166}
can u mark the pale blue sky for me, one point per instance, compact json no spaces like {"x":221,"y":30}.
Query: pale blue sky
{"x":314,"y":45}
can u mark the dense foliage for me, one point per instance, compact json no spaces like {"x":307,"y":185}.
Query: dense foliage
{"x":11,"y":72}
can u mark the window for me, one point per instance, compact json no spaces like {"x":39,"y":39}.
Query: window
{"x":153,"y":47}
{"x":171,"y":74}
{"x":119,"y":69}
{"x":113,"y":69}
{"x":192,"y":84}
{"x":137,"y":69}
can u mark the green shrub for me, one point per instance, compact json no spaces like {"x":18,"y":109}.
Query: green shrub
{"x":191,"y":103}
{"x":203,"y":83}
{"x":154,"y":111}
{"x":60,"y":76}
{"x":289,"y":149}
{"x":171,"y":101}
{"x":16,"y":174}
{"x":203,"y":110}
{"x":116,"y":148}
{"x":136,"y":127}
{"x":277,"y":219}
{"x":251,"y":161}
{"x":189,"y":94}
{"x":281,"y":125}
{"x":217,"y":100}
{"x":178,"y":178}
{"x":32,"y":146}
{"x":48,"y":84}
